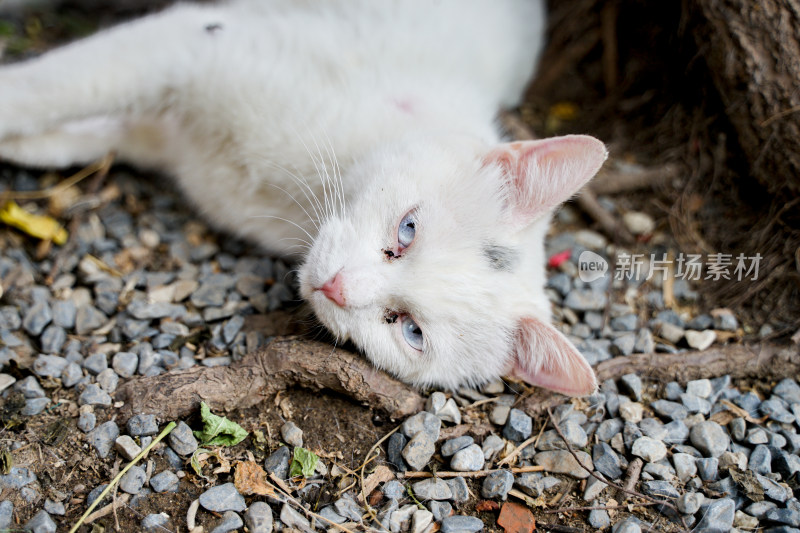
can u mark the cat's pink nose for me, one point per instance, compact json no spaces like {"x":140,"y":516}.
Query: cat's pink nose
{"x":333,"y":290}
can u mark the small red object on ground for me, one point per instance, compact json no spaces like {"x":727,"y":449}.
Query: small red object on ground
{"x":556,"y":259}
{"x":516,"y":518}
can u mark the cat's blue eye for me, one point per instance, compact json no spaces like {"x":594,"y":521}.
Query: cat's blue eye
{"x":406,"y":231}
{"x":412,"y":333}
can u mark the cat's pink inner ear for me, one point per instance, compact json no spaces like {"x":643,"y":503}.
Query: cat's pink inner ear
{"x":542,"y":174}
{"x":545,"y":358}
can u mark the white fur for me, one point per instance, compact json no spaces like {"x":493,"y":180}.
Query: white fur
{"x":313,"y":128}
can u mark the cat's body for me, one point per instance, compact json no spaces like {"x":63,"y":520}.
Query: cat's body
{"x":382,"y":110}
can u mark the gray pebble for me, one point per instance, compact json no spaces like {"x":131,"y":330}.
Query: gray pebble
{"x":9,"y":318}
{"x":142,"y":425}
{"x":759,"y":509}
{"x":644,"y":341}
{"x":258,"y":518}
{"x":499,"y":414}
{"x":41,"y":523}
{"x":497,"y":484}
{"x":34,"y":406}
{"x":709,"y":438}
{"x":585,"y":300}
{"x":293,"y":518}
{"x":143,"y":310}
{"x":347,"y":508}
{"x":671,"y":410}
{"x":700,"y":322}
{"x":629,"y":525}
{"x":49,"y":365}
{"x":493,"y":445}
{"x":102,"y":438}
{"x":278,"y":462}
{"x":88,"y":318}
{"x":673,"y":391}
{"x":230,"y":522}
{"x":518,"y":427}
{"x":708,"y":468}
{"x":37,"y":318}
{"x":599,"y":519}
{"x":96,"y":363}
{"x":125,"y":364}
{"x":64,"y":313}
{"x":724,"y":320}
{"x":695,"y":404}
{"x":440,"y":510}
{"x":222,"y":498}
{"x":690,"y":502}
{"x":660,"y":489}
{"x":453,"y":445}
{"x":133,"y":480}
{"x":86,"y":421}
{"x":608,"y":428}
{"x":562,"y":462}
{"x":760,"y":460}
{"x":632,"y":384}
{"x":94,"y":395}
{"x":606,"y":461}
{"x":108,"y":380}
{"x":624,"y":344}
{"x":685,"y":466}
{"x":17,"y":478}
{"x":461,"y":524}
{"x":419,"y":450}
{"x":292,"y":435}
{"x":535,"y":483}
{"x":774,"y":490}
{"x":776,"y":411}
{"x":126,"y":447}
{"x":182,"y":441}
{"x":30,"y":388}
{"x":71,"y":375}
{"x":593,"y":489}
{"x":717,"y":516}
{"x":56,"y":508}
{"x":154,"y":523}
{"x":459,"y":489}
{"x":749,"y":402}
{"x":737,"y":427}
{"x":53,"y":338}
{"x":422,"y":421}
{"x":469,"y":459}
{"x":677,"y":432}
{"x":393,"y":490}
{"x":625,"y":322}
{"x":788,"y":389}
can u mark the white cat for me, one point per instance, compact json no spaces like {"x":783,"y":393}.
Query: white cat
{"x":427,"y":246}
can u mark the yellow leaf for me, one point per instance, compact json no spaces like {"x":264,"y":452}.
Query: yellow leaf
{"x":39,"y":226}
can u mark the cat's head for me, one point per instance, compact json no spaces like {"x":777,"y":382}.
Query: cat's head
{"x":436,"y":268}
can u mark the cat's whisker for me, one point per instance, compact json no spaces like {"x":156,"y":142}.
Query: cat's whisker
{"x":317,"y":163}
{"x":287,"y":193}
{"x":328,"y":184}
{"x":305,"y":188}
{"x":337,"y":173}
{"x":295,"y":224}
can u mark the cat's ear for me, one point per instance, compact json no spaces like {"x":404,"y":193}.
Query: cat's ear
{"x":541,"y":174}
{"x":545,"y":358}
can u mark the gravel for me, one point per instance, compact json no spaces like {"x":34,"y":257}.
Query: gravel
{"x":94,"y":330}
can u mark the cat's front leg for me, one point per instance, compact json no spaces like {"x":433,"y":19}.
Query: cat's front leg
{"x":135,"y":67}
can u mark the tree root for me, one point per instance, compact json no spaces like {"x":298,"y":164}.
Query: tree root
{"x":294,"y":361}
{"x":285,"y":362}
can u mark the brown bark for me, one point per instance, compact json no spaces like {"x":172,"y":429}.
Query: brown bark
{"x":285,"y":362}
{"x":753,"y":51}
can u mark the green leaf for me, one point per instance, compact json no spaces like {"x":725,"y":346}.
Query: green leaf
{"x":304,"y":462}
{"x":218,"y":430}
